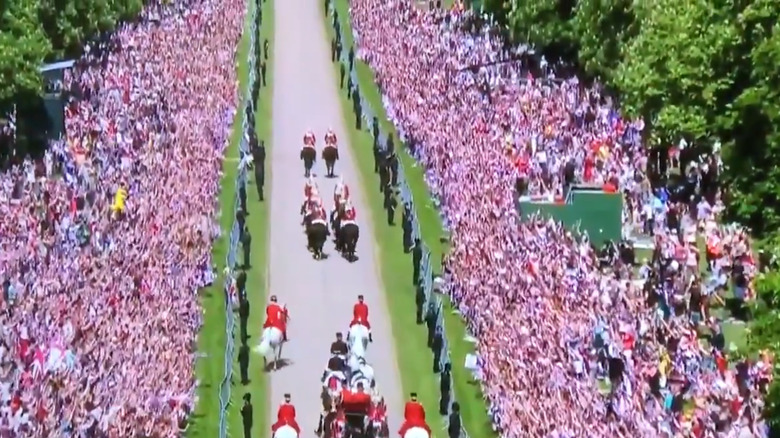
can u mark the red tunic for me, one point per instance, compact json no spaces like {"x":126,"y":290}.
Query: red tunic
{"x":309,"y":140}
{"x":286,"y":416}
{"x":330,"y":139}
{"x":414,"y":416}
{"x":360,"y":310}
{"x":350,"y":214}
{"x":275,"y":316}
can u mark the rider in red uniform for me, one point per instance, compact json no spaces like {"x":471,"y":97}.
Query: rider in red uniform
{"x":309,"y":140}
{"x":276,"y":316}
{"x":350,"y":214}
{"x":286,"y":416}
{"x":414,"y":416}
{"x":330,"y":138}
{"x":360,"y":316}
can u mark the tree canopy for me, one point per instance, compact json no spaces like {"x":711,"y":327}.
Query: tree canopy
{"x":699,"y":70}
{"x":35,"y":31}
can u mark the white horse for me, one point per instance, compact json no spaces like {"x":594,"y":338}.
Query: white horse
{"x":271,"y":346}
{"x":415,"y":432}
{"x":363,"y":373}
{"x":357,"y":339}
{"x":286,"y":432}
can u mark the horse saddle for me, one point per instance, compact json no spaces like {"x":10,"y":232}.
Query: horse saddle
{"x":318,"y":221}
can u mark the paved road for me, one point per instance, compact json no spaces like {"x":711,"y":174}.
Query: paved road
{"x":319,"y":294}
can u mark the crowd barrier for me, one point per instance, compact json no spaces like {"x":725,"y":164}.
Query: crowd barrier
{"x":241,"y":180}
{"x":433,"y":305}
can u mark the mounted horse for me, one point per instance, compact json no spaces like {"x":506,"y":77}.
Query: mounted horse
{"x":349,"y":231}
{"x":286,"y":431}
{"x":357,"y":340}
{"x":271,"y":346}
{"x":308,"y":153}
{"x":330,"y":153}
{"x":316,"y":231}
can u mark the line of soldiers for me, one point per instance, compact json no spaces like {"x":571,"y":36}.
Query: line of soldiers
{"x":353,"y":89}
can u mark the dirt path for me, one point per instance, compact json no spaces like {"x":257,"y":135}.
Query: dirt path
{"x":319,"y":294}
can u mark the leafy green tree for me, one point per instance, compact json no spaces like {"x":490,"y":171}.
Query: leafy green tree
{"x":23,"y":46}
{"x":603,"y":28}
{"x":546,"y":25}
{"x":673,"y":73}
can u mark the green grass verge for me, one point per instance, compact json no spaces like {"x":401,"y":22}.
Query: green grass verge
{"x":410,"y":339}
{"x":212,"y":337}
{"x":257,"y":274}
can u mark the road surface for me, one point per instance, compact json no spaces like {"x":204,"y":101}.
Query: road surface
{"x":319,"y":294}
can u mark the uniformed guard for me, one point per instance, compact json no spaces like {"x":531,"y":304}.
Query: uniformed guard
{"x":243,"y":363}
{"x":349,"y":88}
{"x":246,"y":244}
{"x":243,"y":315}
{"x":393,"y":164}
{"x":351,"y":57}
{"x":390,"y":205}
{"x":339,"y":347}
{"x":407,"y":225}
{"x":416,"y":260}
{"x":342,"y":73}
{"x":384,"y":174}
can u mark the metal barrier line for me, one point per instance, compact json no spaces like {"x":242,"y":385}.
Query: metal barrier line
{"x":241,"y":178}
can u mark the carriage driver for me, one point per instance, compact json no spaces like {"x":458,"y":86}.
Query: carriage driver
{"x":286,"y":416}
{"x":330,"y":137}
{"x":338,"y":351}
{"x":276,"y":315}
{"x":360,"y":316}
{"x":414,"y":416}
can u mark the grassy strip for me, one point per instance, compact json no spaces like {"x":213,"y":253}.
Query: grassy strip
{"x":411,"y":339}
{"x":257,"y":274}
{"x":212,"y":338}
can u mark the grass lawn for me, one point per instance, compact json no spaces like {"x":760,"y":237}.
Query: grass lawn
{"x":411,"y":339}
{"x":257,"y":274}
{"x":212,"y":338}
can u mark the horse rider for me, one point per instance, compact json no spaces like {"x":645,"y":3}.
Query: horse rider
{"x":414,"y":416}
{"x":350,"y":213}
{"x":360,"y":315}
{"x":276,"y":315}
{"x":308,"y":139}
{"x":285,"y":415}
{"x":340,"y":192}
{"x":310,"y":187}
{"x":339,"y":347}
{"x":330,"y":138}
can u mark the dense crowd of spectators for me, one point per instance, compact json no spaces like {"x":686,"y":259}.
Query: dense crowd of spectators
{"x":567,"y":347}
{"x":99,"y":306}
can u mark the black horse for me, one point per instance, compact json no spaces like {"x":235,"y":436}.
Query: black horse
{"x":356,"y":426}
{"x":317,"y":234}
{"x":330,"y":154}
{"x":348,"y":237}
{"x":309,"y":156}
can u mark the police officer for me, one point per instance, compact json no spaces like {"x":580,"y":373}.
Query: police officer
{"x":246,"y":415}
{"x":384,"y":174}
{"x":342,"y":72}
{"x":445,"y":388}
{"x":392,"y":161}
{"x":416,"y":260}
{"x":243,"y":362}
{"x":390,"y":144}
{"x":437,"y":346}
{"x":407,"y":225}
{"x":351,"y":57}
{"x":241,"y":284}
{"x":419,"y":301}
{"x":242,"y":199}
{"x":243,"y":315}
{"x":246,"y":243}
{"x":349,"y":88}
{"x":390,"y":205}
{"x":240,"y":219}
{"x":453,"y":429}
{"x":259,"y":158}
{"x":358,"y":109}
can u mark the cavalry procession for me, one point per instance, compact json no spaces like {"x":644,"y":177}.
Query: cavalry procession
{"x":330,"y":153}
{"x":342,"y":220}
{"x":352,"y":406}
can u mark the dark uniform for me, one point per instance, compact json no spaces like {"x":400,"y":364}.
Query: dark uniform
{"x":246,"y":244}
{"x":339,"y":347}
{"x":246,"y":415}
{"x":390,"y":205}
{"x":243,"y":363}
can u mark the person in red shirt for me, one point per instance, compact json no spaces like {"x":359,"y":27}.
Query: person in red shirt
{"x":276,"y":316}
{"x":286,"y":416}
{"x":360,"y":315}
{"x":414,"y":416}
